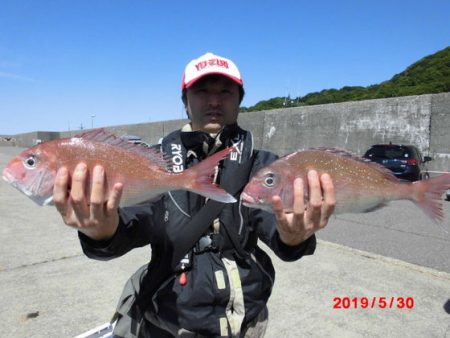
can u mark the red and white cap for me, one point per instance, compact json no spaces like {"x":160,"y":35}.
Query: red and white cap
{"x":208,"y":64}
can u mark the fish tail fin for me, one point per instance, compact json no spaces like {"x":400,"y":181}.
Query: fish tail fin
{"x":428,"y":195}
{"x":201,"y":177}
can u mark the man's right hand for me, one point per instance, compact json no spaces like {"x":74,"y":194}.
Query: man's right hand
{"x":94,"y":212}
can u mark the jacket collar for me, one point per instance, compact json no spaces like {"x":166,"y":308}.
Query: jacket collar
{"x":202,"y":144}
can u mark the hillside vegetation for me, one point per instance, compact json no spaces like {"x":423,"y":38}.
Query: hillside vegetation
{"x":429,"y":75}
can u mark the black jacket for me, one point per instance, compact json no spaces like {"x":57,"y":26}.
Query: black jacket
{"x":198,"y":305}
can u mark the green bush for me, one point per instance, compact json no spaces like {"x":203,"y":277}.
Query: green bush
{"x":429,"y":75}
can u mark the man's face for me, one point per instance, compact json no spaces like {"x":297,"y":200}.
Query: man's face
{"x":212,"y":102}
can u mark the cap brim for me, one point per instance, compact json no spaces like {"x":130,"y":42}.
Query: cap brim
{"x":191,"y":82}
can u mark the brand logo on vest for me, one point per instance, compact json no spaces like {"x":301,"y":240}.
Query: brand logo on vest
{"x":177,"y":159}
{"x":237,"y":154}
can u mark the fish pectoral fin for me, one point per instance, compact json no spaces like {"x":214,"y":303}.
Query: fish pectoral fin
{"x":141,"y":198}
{"x":214,"y":192}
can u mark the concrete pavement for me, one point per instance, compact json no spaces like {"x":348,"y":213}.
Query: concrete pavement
{"x":399,"y":230}
{"x":49,"y":289}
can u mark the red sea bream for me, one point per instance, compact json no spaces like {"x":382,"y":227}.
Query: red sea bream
{"x":142,"y":170}
{"x":360,"y":185}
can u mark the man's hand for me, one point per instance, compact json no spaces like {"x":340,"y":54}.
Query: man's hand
{"x":297,"y":226}
{"x":87,"y":211}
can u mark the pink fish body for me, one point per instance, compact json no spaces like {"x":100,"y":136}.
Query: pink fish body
{"x":360,"y":185}
{"x":143,"y":171}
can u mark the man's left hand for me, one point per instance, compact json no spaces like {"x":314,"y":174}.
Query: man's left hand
{"x":297,"y":226}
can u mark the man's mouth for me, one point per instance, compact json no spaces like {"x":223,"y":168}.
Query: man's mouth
{"x":214,"y":114}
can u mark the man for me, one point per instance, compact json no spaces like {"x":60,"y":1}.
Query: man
{"x":222,"y":283}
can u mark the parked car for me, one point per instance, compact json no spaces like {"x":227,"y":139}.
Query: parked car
{"x":133,"y":139}
{"x":405,"y":161}
{"x":447,"y":195}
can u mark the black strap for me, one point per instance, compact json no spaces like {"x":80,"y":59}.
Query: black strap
{"x":210,"y":211}
{"x":161,"y":268}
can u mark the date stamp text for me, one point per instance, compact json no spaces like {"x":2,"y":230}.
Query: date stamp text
{"x":373,"y":303}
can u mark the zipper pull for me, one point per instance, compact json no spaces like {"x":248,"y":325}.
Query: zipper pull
{"x":183,"y":277}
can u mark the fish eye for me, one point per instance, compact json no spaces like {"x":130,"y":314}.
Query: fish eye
{"x":269,"y":180}
{"x":30,"y":161}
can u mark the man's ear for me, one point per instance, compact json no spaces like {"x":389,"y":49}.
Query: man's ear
{"x":185,"y":103}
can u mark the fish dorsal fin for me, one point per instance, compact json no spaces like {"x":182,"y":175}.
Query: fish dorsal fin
{"x":345,"y":153}
{"x":104,"y":136}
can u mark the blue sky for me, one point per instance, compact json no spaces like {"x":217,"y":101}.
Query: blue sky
{"x":61,"y":61}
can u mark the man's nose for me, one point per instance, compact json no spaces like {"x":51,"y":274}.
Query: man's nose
{"x":214,"y":99}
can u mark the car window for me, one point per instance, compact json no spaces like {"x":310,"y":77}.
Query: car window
{"x":388,"y":153}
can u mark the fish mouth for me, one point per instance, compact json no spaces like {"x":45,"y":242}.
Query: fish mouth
{"x":40,"y":200}
{"x":7,"y":176}
{"x":256,"y":203}
{"x":246,"y":198}
{"x":250,"y":201}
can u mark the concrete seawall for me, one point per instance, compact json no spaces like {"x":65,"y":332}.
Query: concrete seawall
{"x":422,"y":120}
